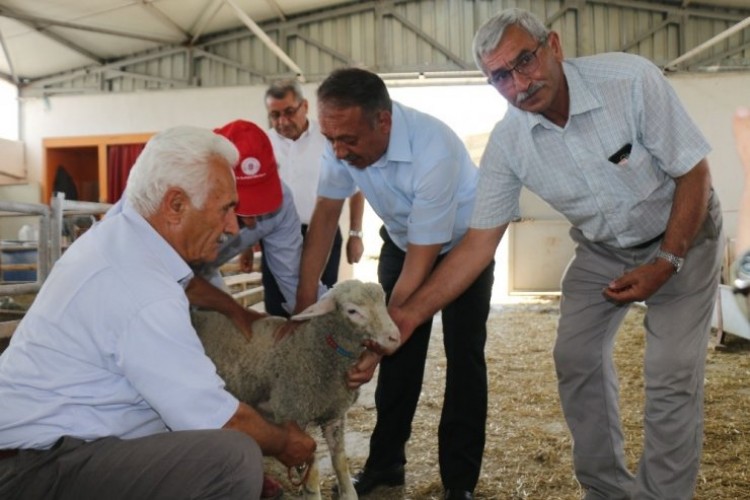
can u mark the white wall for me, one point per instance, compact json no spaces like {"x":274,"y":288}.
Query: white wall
{"x":711,"y":101}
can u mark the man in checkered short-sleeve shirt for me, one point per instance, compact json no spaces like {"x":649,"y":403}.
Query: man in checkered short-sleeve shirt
{"x":605,"y":141}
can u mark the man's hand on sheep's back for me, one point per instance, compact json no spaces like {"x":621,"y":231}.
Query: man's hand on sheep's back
{"x":244,"y":318}
{"x":285,"y":329}
{"x":362,"y":371}
{"x":299,"y":448}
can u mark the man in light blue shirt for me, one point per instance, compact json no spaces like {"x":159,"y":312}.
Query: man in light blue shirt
{"x":418,"y":177}
{"x":105,"y":390}
{"x":606,"y":142}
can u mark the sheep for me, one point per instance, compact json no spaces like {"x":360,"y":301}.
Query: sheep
{"x":302,"y":377}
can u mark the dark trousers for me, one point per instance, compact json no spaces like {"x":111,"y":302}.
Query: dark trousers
{"x":272,"y":296}
{"x":206,"y":464}
{"x":461,"y":434}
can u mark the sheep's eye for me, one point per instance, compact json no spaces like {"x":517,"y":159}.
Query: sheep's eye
{"x":351,"y":311}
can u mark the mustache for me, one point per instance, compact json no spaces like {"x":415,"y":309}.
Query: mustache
{"x":522,"y":96}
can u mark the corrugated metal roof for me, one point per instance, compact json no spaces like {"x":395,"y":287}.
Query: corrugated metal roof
{"x":52,"y":46}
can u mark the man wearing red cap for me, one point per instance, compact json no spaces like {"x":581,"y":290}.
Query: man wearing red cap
{"x":267,"y":212}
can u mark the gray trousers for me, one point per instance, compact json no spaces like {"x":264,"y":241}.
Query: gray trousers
{"x":210,"y":464}
{"x":677,"y":324}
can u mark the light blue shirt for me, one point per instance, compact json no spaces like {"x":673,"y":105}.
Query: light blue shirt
{"x":615,"y":99}
{"x":107,"y":347}
{"x":282,"y":244}
{"x":422,"y":188}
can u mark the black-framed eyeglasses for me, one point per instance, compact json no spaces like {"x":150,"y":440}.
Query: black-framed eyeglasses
{"x":286,"y":113}
{"x":526,"y":63}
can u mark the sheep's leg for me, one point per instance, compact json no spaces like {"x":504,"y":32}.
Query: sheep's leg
{"x":311,"y":488}
{"x":334,"y":434}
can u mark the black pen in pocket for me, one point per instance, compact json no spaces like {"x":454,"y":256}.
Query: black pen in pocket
{"x":622,"y":154}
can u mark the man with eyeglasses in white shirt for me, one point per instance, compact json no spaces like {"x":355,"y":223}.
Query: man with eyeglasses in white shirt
{"x":298,"y":146}
{"x":605,"y":141}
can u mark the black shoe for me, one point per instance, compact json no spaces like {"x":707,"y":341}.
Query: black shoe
{"x":458,"y":495}
{"x":367,"y":480}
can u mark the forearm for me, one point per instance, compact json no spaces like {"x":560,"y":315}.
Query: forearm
{"x":419,"y":261}
{"x":316,"y":249}
{"x":457,"y":271}
{"x":689,"y":209}
{"x":203,"y":294}
{"x":270,"y":437}
{"x":356,"y":211}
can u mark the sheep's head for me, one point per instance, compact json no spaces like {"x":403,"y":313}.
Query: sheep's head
{"x":364,"y":305}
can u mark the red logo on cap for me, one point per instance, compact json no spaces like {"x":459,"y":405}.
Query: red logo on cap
{"x":250,"y":166}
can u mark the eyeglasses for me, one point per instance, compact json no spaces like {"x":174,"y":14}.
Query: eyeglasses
{"x":286,"y":113}
{"x":526,"y":63}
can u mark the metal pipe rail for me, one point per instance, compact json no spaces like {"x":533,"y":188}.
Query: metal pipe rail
{"x":49,"y":244}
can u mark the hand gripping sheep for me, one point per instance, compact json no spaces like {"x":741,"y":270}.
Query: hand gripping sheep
{"x":302,"y":377}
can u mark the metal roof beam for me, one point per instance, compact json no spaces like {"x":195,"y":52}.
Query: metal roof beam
{"x":42,"y":24}
{"x":204,"y":18}
{"x":110,"y":74}
{"x":258,"y":31}
{"x":645,"y":34}
{"x":323,"y":48}
{"x":726,"y":54}
{"x":8,"y":78}
{"x":159,"y":14}
{"x":672,"y":65}
{"x":275,"y":6}
{"x":430,"y":40}
{"x":13,"y":76}
{"x":113,"y":65}
{"x":226,"y":61}
{"x":672,"y":11}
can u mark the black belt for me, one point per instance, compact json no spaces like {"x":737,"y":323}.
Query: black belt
{"x":648,"y":243}
{"x":8,"y":454}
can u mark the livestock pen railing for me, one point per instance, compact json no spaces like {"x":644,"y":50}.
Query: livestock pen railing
{"x":48,"y":245}
{"x":45,"y":250}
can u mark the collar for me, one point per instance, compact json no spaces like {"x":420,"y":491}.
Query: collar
{"x":339,"y":350}
{"x":175,"y":266}
{"x":582,"y":99}
{"x":399,"y":147}
{"x":312,"y":127}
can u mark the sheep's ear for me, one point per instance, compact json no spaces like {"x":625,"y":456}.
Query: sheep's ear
{"x":324,"y":305}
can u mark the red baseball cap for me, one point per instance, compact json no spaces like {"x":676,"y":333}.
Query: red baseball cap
{"x":257,"y":175}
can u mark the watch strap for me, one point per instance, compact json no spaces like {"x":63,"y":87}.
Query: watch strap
{"x":671,"y":258}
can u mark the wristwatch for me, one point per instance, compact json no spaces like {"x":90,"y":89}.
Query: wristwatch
{"x":742,"y":274}
{"x":676,"y":261}
{"x":356,"y":234}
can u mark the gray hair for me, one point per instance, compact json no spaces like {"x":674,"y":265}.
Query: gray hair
{"x":280,"y":88}
{"x":489,"y":34}
{"x":349,"y":87}
{"x":177,"y":157}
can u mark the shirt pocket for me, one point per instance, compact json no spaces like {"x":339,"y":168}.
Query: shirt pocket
{"x":637,"y":175}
